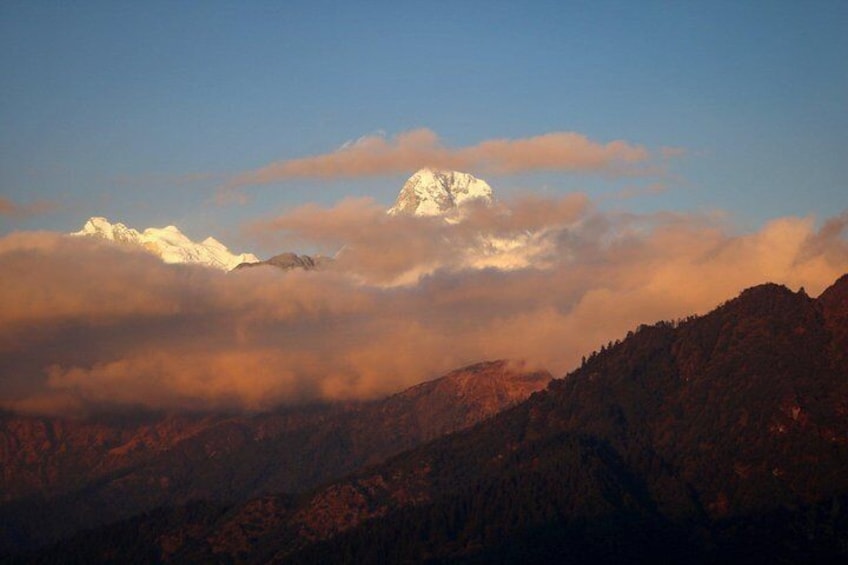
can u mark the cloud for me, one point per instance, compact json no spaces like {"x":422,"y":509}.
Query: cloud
{"x":86,"y":324}
{"x":376,"y":155}
{"x":388,"y":250}
{"x":14,"y":210}
{"x":829,"y":241}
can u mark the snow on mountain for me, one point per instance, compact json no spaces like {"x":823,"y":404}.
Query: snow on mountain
{"x":432,"y":192}
{"x":168,"y":243}
{"x":428,"y":193}
{"x":440,"y":193}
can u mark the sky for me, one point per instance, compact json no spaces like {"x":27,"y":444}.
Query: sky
{"x":141,"y":112}
{"x":653,"y":158}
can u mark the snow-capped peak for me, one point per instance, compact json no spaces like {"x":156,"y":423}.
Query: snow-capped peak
{"x":168,"y":243}
{"x":432,"y":192}
{"x":101,"y":227}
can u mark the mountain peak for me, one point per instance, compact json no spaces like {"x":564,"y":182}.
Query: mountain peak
{"x":834,"y":303}
{"x":836,"y":295}
{"x":436,"y":192}
{"x":288,"y":262}
{"x":168,"y":243}
{"x":98,"y":226}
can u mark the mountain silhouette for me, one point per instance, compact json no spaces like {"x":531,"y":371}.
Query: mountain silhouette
{"x":719,"y":438}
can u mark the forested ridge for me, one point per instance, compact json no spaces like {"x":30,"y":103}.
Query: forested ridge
{"x":720,"y":438}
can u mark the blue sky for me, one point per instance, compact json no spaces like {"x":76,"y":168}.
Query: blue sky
{"x":140,"y":111}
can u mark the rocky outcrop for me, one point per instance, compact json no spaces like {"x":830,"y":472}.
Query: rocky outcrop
{"x":289,"y":262}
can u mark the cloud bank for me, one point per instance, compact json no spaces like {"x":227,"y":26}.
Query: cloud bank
{"x":375,"y":155}
{"x":87,"y":324}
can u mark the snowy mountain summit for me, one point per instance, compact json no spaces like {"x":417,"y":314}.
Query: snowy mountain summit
{"x":432,"y":192}
{"x":168,"y":243}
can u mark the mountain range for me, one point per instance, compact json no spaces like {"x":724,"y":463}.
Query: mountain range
{"x":168,"y":243}
{"x":426,"y":193}
{"x":719,"y":438}
{"x":716,"y":438}
{"x":62,"y":475}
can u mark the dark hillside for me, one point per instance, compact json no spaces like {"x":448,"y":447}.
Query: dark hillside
{"x":62,"y":476}
{"x":726,"y":439}
{"x":721,"y":438}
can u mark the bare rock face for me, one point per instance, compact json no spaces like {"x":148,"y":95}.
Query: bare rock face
{"x":435,"y":193}
{"x":289,"y":262}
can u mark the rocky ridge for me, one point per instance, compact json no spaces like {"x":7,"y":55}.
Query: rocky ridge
{"x":289,"y":262}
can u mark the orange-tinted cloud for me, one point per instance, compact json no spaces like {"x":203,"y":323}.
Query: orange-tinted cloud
{"x":12,"y":209}
{"x":651,"y":189}
{"x":86,"y":323}
{"x":387,"y":250}
{"x":411,"y":150}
